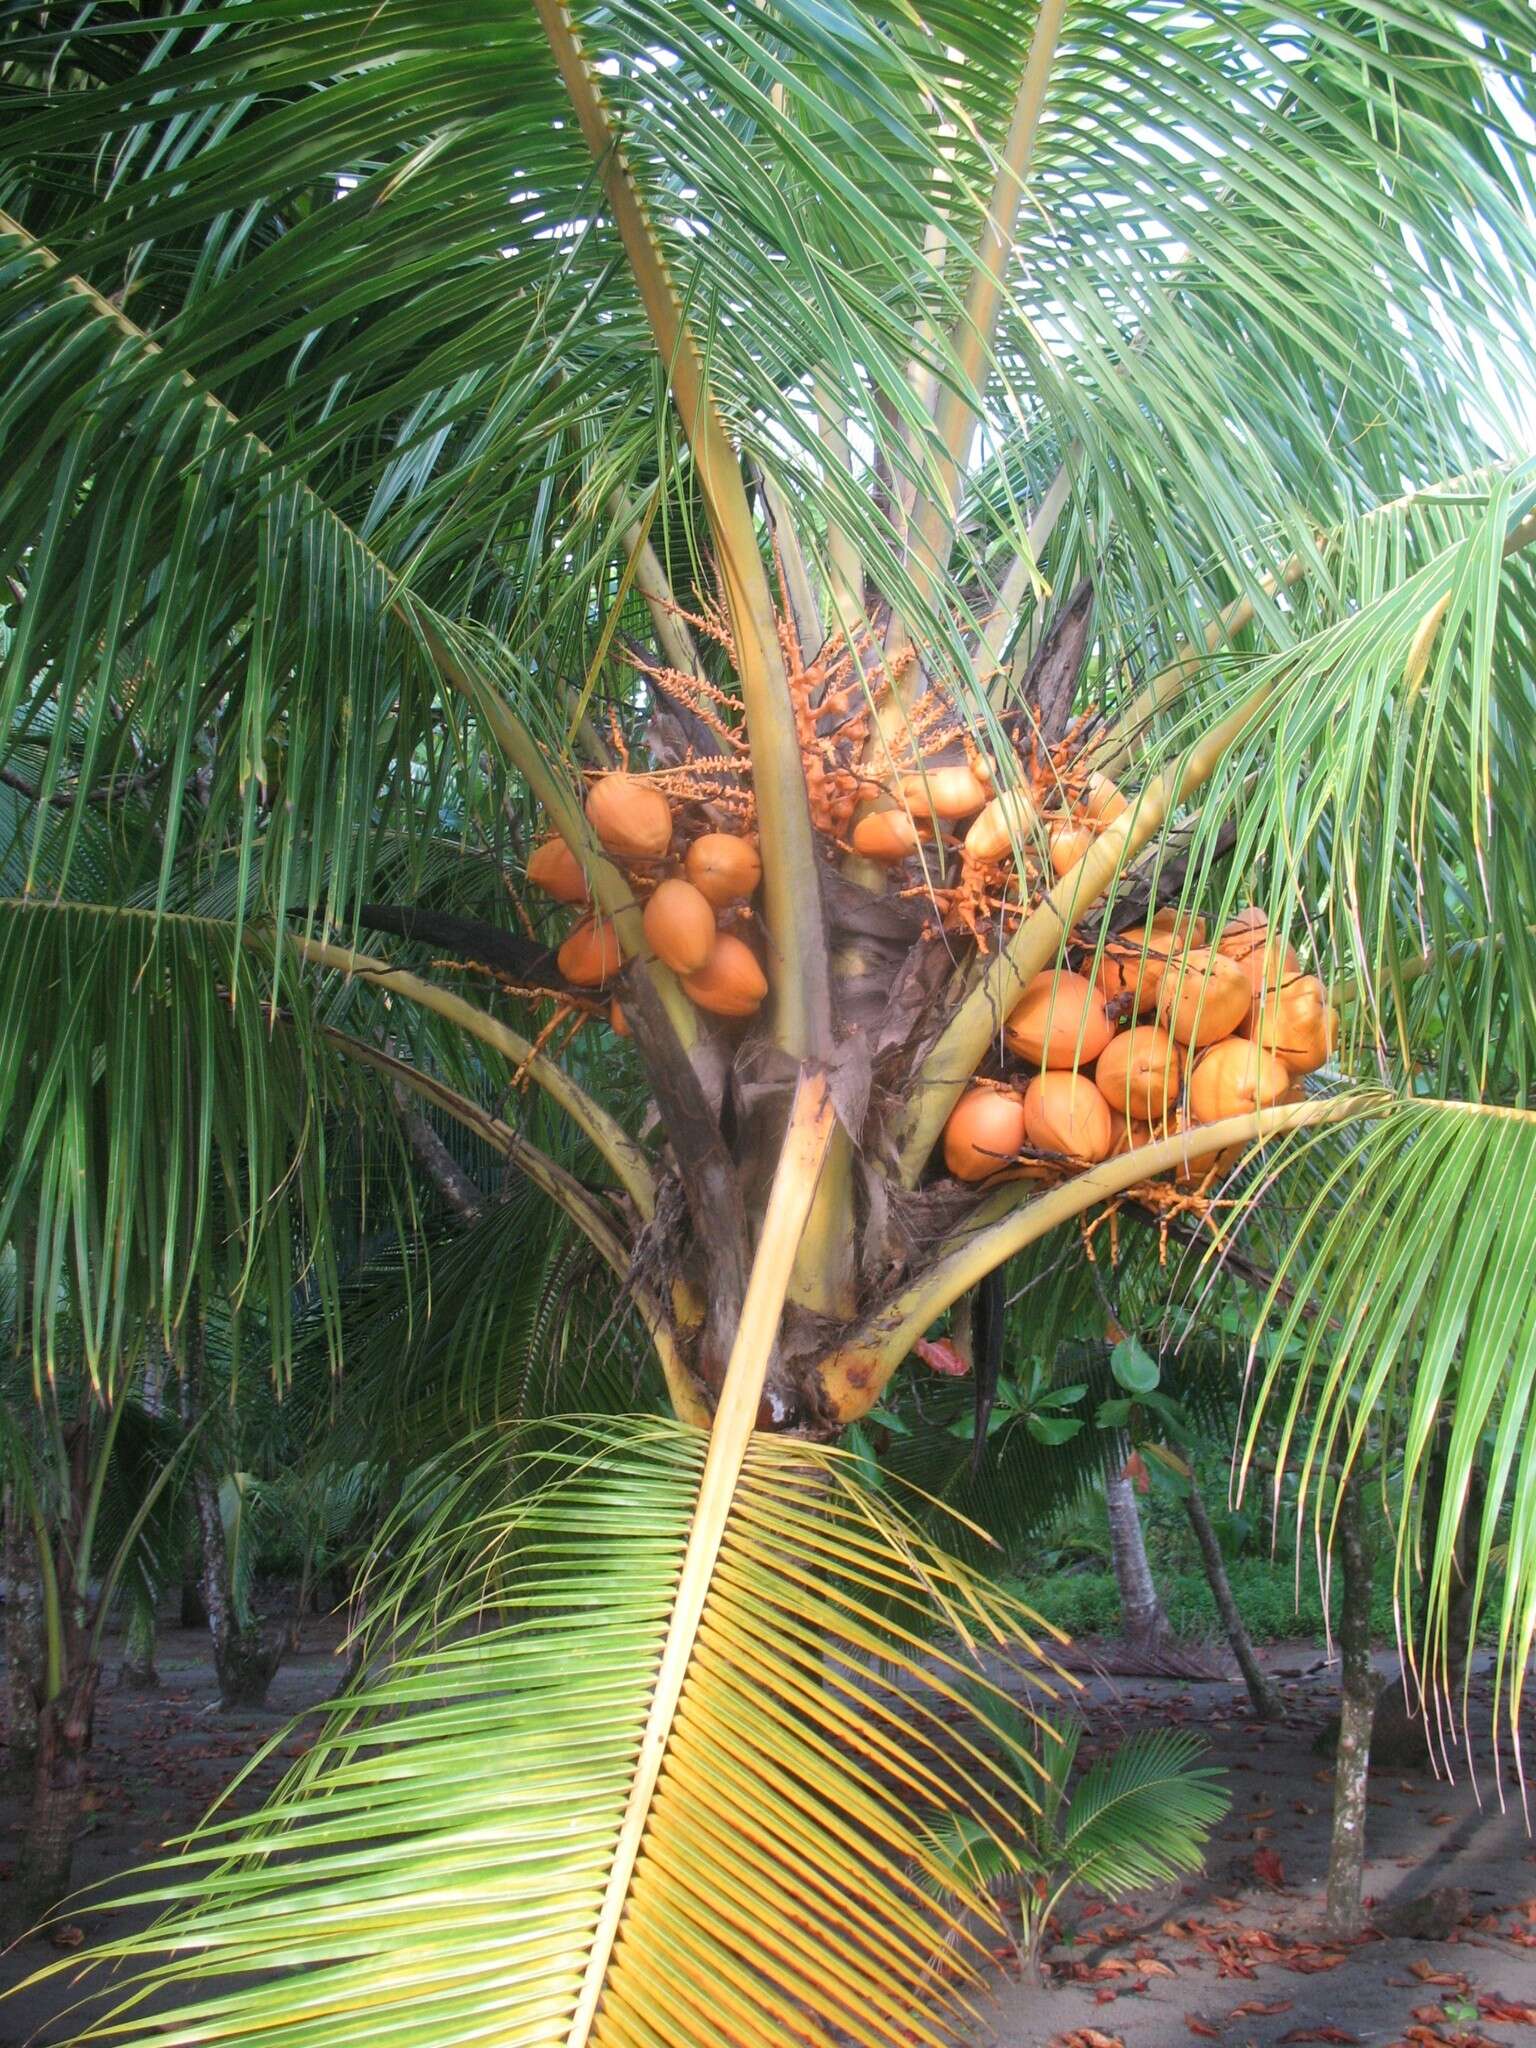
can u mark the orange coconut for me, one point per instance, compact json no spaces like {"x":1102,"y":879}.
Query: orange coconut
{"x":1125,"y":1136}
{"x":553,"y":868}
{"x":1234,"y":1078}
{"x":1139,"y":1072}
{"x":984,"y":1133}
{"x":1296,"y":1023}
{"x":1059,"y":1021}
{"x":723,"y":867}
{"x":1262,"y":955}
{"x":1103,"y":801}
{"x":1203,"y":997}
{"x":887,"y":835}
{"x":680,"y":925}
{"x":944,"y":793}
{"x":1133,"y":963}
{"x":1066,"y":1113}
{"x":1069,"y":842}
{"x":731,"y":983}
{"x":1007,"y":820}
{"x":1181,"y":924}
{"x":618,"y":1023}
{"x":631,"y":818}
{"x":590,"y":956}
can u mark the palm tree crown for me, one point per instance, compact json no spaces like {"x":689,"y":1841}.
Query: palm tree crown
{"x":412,"y":423}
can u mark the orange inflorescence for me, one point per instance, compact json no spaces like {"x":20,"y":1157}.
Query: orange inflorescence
{"x":1167,"y":1201}
{"x":571,"y":1009}
{"x":986,"y":902}
{"x":832,"y":700}
{"x":720,"y":782}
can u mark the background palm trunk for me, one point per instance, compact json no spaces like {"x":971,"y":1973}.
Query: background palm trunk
{"x":244,"y":1660}
{"x":1142,"y":1621}
{"x":1265,"y":1699}
{"x":1346,"y":1856}
{"x":137,"y":1669}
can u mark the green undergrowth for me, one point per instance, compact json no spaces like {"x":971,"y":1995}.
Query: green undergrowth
{"x":1273,"y":1605}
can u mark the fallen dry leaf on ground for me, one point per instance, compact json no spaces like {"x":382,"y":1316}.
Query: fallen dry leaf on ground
{"x":1098,"y":1973}
{"x":1202,"y":2028}
{"x":1268,"y":1869}
{"x":1322,"y":2033}
{"x":1505,"y":2011}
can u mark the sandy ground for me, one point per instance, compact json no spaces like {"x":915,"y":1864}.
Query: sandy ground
{"x":1237,"y":1956}
{"x":1234,"y":1957}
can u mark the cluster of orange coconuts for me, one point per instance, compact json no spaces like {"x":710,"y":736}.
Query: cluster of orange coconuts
{"x":923,"y":803}
{"x":1169,"y":1032}
{"x":686,"y":892}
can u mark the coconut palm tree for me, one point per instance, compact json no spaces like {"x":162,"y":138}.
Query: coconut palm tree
{"x":413,"y":421}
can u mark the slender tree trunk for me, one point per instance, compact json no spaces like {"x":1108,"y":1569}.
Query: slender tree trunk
{"x":137,"y":1669}
{"x":23,"y":1638}
{"x":436,"y":1162}
{"x":1265,"y":1699}
{"x":1346,"y":1856}
{"x":244,"y":1659}
{"x":1142,"y":1621}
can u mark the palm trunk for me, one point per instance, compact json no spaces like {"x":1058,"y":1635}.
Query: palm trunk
{"x":23,"y":1638}
{"x":244,"y":1660}
{"x":1142,"y":1621}
{"x":192,"y":1612}
{"x":137,"y":1670}
{"x":64,"y":1729}
{"x":458,"y":1191}
{"x":1265,"y":1699}
{"x":65,"y":1719}
{"x":1346,"y":1855}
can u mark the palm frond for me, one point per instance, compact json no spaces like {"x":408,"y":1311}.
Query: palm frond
{"x":1412,"y":1324}
{"x":435,"y":1864}
{"x":1142,"y":1814}
{"x":1374,"y":801}
{"x":167,"y":1130}
{"x":496,"y":1322}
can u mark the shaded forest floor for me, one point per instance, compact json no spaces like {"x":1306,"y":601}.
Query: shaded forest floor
{"x":1231,"y":1957}
{"x":159,"y":1762}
